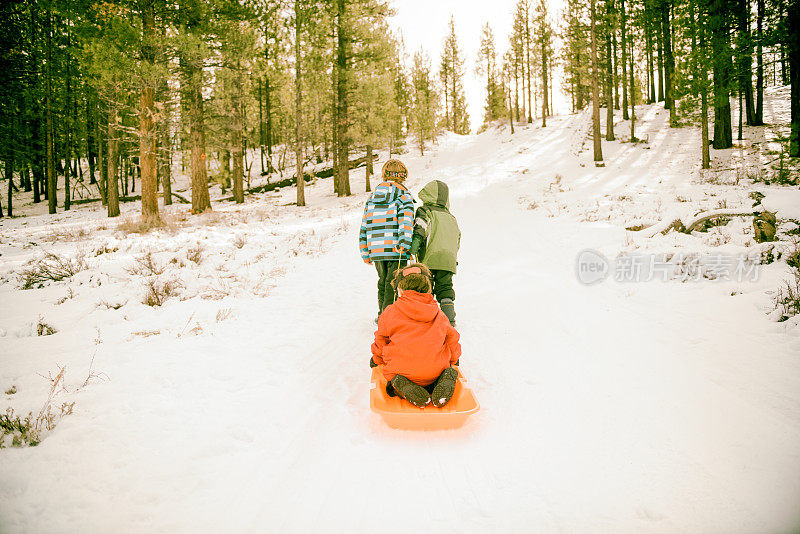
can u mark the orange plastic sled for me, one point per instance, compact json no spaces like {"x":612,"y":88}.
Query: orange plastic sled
{"x":399,"y":413}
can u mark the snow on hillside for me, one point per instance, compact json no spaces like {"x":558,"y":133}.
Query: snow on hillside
{"x":241,"y":403}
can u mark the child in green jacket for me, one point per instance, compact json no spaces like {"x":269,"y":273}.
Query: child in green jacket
{"x":436,"y":241}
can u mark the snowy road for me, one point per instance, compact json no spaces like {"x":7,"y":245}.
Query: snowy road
{"x":650,"y":407}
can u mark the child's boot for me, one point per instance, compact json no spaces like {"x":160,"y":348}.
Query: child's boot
{"x":413,"y":393}
{"x":449,"y":309}
{"x":444,"y":387}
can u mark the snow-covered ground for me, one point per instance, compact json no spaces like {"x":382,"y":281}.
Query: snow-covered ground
{"x":241,"y":404}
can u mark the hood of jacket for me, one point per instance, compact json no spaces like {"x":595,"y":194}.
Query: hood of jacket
{"x":420,"y":307}
{"x":387,"y":192}
{"x":436,"y":193}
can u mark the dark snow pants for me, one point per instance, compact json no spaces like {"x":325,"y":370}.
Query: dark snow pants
{"x":386,"y":271}
{"x":443,"y":285}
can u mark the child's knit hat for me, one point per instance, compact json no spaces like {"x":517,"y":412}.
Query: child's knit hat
{"x":394,"y":170}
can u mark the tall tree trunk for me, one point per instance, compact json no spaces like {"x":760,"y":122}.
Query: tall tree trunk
{"x":721,"y":57}
{"x":660,"y":45}
{"x":793,"y":39}
{"x":261,"y":124}
{"x":68,"y":122}
{"x":50,"y":156}
{"x":147,"y":129}
{"x":268,"y":95}
{"x":510,"y":104}
{"x":91,"y":139}
{"x":650,"y":73}
{"x":516,"y":90}
{"x":342,"y":89}
{"x":545,"y":106}
{"x":112,"y":192}
{"x":703,"y":88}
{"x":633,"y":99}
{"x":102,"y":157}
{"x":335,"y":114}
{"x":669,"y":61}
{"x":758,"y":118}
{"x":598,"y":149}
{"x":267,"y":91}
{"x":744,"y":53}
{"x":623,"y":44}
{"x":369,"y":170}
{"x":609,"y":77}
{"x":237,"y":135}
{"x":166,"y":157}
{"x":444,"y":76}
{"x":192,"y":70}
{"x":615,"y":62}
{"x":456,"y":117}
{"x":9,"y":167}
{"x":201,"y":200}
{"x":528,"y":55}
{"x":298,"y":109}
{"x":550,"y":71}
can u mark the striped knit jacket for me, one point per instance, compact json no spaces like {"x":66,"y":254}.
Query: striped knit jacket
{"x":388,"y":223}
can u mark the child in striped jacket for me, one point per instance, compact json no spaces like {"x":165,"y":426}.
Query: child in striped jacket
{"x":387,"y":227}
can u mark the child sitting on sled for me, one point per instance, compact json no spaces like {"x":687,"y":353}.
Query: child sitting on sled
{"x":415,"y":342}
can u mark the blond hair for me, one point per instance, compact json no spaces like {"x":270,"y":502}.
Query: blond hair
{"x":394,"y":170}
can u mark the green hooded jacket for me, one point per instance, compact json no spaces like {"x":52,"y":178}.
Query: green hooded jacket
{"x":436,"y":234}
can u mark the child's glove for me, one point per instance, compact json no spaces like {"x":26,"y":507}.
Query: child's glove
{"x":372,"y":363}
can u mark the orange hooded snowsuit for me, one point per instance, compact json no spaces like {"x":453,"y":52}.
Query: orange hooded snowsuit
{"x":415,"y":339}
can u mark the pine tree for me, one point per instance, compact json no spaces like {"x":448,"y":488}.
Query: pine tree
{"x":147,"y":111}
{"x":298,"y":77}
{"x":193,"y":51}
{"x":424,"y":100}
{"x":452,"y":57}
{"x":609,"y":78}
{"x":598,"y":149}
{"x":718,"y":25}
{"x":544,"y":40}
{"x":575,"y":55}
{"x":487,"y":66}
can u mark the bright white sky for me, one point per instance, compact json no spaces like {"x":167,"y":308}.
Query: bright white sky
{"x":424,"y":23}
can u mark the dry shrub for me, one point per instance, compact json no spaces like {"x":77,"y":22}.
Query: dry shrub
{"x":109,"y":305}
{"x":787,"y":300}
{"x":146,"y":266}
{"x":146,"y":333}
{"x":105,"y":249}
{"x":28,"y":430}
{"x":68,"y":234}
{"x":159,"y":291}
{"x":195,"y":254}
{"x":143,"y":225}
{"x":44,"y":329}
{"x":51,"y":267}
{"x":240,"y":240}
{"x":223,"y":314}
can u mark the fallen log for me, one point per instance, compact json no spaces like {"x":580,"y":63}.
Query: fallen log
{"x":702,"y":217}
{"x":695,"y":223}
{"x":287,"y":182}
{"x":80,"y":201}
{"x":90,"y":200}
